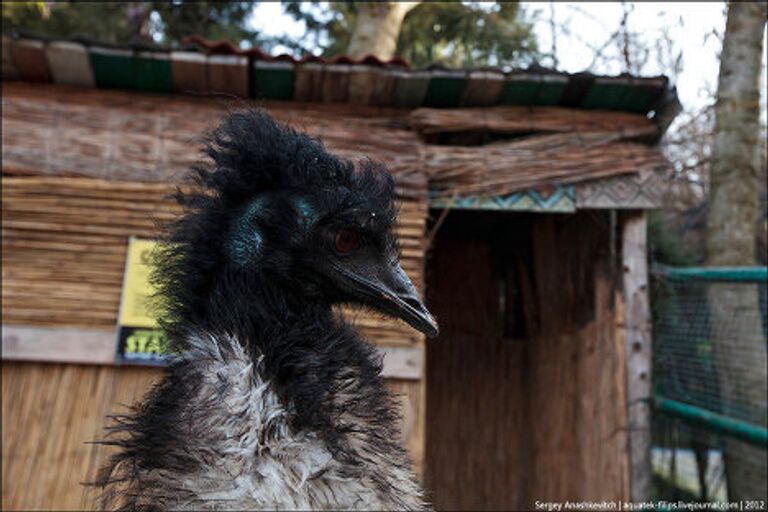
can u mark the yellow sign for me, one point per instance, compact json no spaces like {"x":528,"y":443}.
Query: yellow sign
{"x":139,"y":337}
{"x":135,"y":310}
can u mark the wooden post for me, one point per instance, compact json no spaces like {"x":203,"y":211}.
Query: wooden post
{"x":637,"y":334}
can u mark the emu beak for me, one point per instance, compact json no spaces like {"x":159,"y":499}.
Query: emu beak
{"x":390,"y":290}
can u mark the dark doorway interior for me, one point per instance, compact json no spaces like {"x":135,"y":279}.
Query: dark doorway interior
{"x":524,"y":384}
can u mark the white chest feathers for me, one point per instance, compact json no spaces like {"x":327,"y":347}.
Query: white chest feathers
{"x":248,"y":458}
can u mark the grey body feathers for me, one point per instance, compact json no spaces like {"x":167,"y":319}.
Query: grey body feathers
{"x":247,"y":456}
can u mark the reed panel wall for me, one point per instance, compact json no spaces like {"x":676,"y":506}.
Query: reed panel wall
{"x":52,"y":412}
{"x":65,"y":240}
{"x":100,"y":170}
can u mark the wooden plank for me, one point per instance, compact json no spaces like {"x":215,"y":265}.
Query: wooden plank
{"x":384,"y":87}
{"x":29,"y":60}
{"x":59,"y":344}
{"x":637,"y":332}
{"x":97,"y":346}
{"x":483,"y":88}
{"x":410,"y":88}
{"x":362,"y":85}
{"x":644,"y":190}
{"x":189,"y":72}
{"x":70,"y":64}
{"x":511,"y":119}
{"x":575,"y":370}
{"x":404,"y":363}
{"x":228,"y":74}
{"x":477,"y":418}
{"x":308,"y":82}
{"x":446,"y":88}
{"x":112,"y":67}
{"x":335,"y":87}
{"x":9,"y":70}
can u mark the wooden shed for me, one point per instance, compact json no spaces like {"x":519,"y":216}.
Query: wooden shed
{"x":522,"y":199}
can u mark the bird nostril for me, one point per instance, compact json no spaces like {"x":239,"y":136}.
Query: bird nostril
{"x":412,"y":302}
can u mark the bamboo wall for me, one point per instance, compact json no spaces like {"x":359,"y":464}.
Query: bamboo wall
{"x":83,"y":173}
{"x":50,"y":413}
{"x":537,"y":410}
{"x":64,"y":249}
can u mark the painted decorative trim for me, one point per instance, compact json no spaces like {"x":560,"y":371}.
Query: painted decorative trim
{"x":559,"y":199}
{"x":635,"y":191}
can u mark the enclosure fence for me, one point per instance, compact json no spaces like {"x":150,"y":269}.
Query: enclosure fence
{"x":709,"y":426}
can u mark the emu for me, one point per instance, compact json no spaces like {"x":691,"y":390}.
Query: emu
{"x":272,"y":401}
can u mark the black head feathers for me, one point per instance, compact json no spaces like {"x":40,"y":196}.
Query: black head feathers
{"x":252,"y":153}
{"x":264,"y":204}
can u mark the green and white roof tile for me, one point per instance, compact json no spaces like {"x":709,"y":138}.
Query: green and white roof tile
{"x":219,"y":68}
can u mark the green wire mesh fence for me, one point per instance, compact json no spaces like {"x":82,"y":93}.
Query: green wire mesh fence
{"x":709,"y":372}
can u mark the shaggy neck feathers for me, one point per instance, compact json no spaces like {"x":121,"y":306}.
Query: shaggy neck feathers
{"x":305,"y":351}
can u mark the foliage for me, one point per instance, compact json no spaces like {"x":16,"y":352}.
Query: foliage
{"x":120,"y":22}
{"x":104,"y":21}
{"x":327,"y":29}
{"x":664,"y":245}
{"x":464,"y":34}
{"x":454,"y":33}
{"x":213,"y":20}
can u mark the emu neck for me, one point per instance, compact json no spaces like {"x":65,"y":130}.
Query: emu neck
{"x":306,"y":353}
{"x":257,"y":308}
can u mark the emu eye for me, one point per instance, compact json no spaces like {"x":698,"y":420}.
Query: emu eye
{"x":346,"y":241}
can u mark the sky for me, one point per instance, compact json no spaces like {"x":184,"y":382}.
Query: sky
{"x":690,"y":25}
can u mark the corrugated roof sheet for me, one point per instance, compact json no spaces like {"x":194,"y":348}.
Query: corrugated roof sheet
{"x":207,"y":67}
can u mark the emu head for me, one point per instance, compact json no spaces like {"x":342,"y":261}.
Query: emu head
{"x":275,"y":206}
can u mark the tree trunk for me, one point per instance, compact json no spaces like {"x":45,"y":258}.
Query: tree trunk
{"x":138,"y":14}
{"x":377,"y":27}
{"x":736,"y":327}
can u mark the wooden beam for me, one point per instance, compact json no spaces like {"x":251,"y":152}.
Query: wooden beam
{"x":58,"y":344}
{"x":402,"y":362}
{"x":637,"y":334}
{"x":92,"y":346}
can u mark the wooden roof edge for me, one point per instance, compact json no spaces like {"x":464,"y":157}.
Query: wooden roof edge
{"x":516,"y":120}
{"x":172,"y":159}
